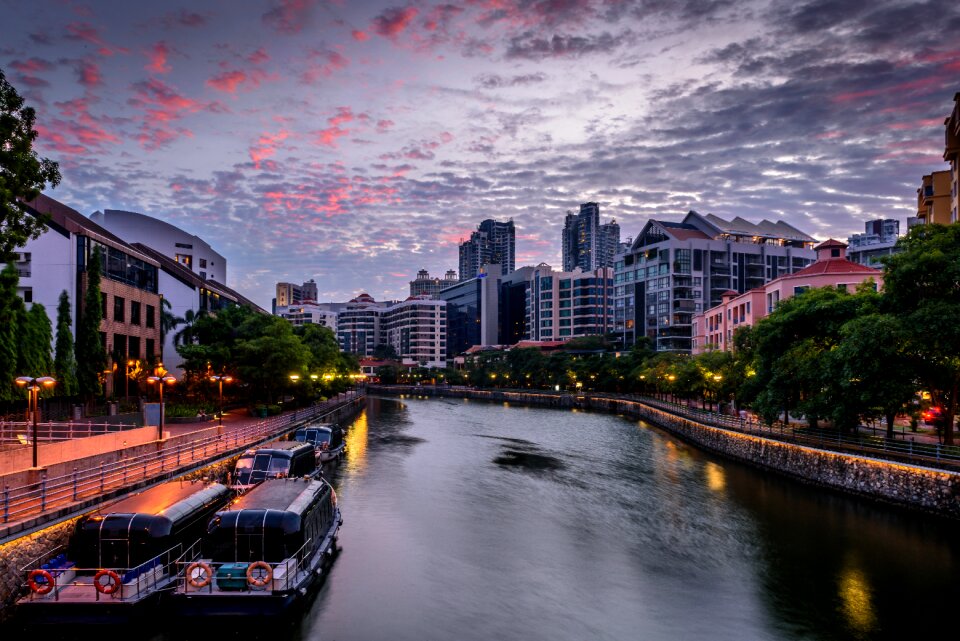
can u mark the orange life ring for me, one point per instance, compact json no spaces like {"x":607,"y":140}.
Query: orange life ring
{"x":44,"y":587}
{"x":107,"y":588}
{"x":259,"y":581}
{"x":199,"y":574}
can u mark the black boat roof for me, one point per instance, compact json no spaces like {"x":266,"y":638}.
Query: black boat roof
{"x":278,"y":494}
{"x":159,"y":499}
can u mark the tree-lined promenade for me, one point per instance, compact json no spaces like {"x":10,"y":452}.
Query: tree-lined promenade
{"x":827,"y":355}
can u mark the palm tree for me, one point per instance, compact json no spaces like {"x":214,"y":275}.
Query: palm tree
{"x":168,"y":322}
{"x":185,"y":335}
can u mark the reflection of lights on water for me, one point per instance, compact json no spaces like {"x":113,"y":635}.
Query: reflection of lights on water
{"x":856,"y":600}
{"x":357,"y":441}
{"x":716,"y":479}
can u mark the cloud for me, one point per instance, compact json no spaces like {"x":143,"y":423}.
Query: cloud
{"x":533,"y":47}
{"x":393,"y":21}
{"x":267,"y":146}
{"x":183,"y":18}
{"x":162,"y":105}
{"x":258,"y":57}
{"x":328,"y":137}
{"x":231,"y":81}
{"x":360,"y":36}
{"x":85,"y":32}
{"x":322,"y":63}
{"x":495,"y":81}
{"x":157,"y":58}
{"x":289,"y":16}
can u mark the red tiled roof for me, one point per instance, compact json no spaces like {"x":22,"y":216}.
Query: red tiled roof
{"x":835,"y":266}
{"x":830,"y":243}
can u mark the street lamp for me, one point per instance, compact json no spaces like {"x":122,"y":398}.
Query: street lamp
{"x":126,"y":379}
{"x":33,"y":386}
{"x":161,"y":379}
{"x":221,"y":380}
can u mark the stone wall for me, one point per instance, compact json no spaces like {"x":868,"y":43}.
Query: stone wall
{"x":935,"y":491}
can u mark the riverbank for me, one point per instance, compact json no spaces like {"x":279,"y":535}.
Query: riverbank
{"x":901,"y":483}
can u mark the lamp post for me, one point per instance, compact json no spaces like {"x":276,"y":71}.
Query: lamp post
{"x":126,"y":379}
{"x":160,"y":379}
{"x":33,"y":386}
{"x":221,"y":380}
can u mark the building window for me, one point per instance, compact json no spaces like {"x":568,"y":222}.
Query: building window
{"x":134,"y":312}
{"x":185,"y":259}
{"x":799,"y":290}
{"x":835,"y":252}
{"x":118,"y":309}
{"x":103,"y":305}
{"x":28,"y":294}
{"x":120,"y":346}
{"x":842,"y":287}
{"x":150,"y":348}
{"x":151,"y":311}
{"x":184,"y":245}
{"x":133,"y":347}
{"x":203,"y":262}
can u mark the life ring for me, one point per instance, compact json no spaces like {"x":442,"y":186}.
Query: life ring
{"x":45,"y":586}
{"x":259,"y":581}
{"x":106,"y":588}
{"x":199,"y":574}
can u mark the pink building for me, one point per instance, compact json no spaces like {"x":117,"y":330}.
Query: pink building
{"x":714,"y":328}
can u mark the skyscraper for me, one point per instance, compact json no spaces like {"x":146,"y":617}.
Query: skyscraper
{"x":587,"y":244}
{"x":493,"y":242}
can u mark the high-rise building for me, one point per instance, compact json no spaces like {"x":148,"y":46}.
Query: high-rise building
{"x":588,"y":245}
{"x":322,"y":314}
{"x":951,"y":154}
{"x":676,"y":270}
{"x":426,"y":286}
{"x":290,"y":294}
{"x":879,"y":238}
{"x":568,"y":304}
{"x":493,"y":242}
{"x":416,"y":328}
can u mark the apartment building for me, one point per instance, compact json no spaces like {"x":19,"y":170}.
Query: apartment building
{"x":714,"y":329}
{"x":934,"y":198}
{"x":587,"y":244}
{"x":675,"y":270}
{"x":416,"y":328}
{"x":424,"y":285}
{"x":310,"y":314}
{"x":568,"y":304}
{"x":879,"y":239}
{"x":951,"y":154}
{"x":494,"y":242}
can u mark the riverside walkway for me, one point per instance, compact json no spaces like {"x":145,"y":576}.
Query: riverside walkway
{"x":82,"y":472}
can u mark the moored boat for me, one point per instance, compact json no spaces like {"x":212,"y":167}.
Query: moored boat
{"x":327,"y":440}
{"x":262,"y":555}
{"x":120,"y":558}
{"x":274,"y":460}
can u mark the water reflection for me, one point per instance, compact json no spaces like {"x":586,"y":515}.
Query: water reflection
{"x":855,"y":595}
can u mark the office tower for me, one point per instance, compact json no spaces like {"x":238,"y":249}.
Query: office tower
{"x":493,"y":242}
{"x":588,"y":245}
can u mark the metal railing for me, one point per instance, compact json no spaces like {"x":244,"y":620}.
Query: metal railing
{"x":284,"y":575}
{"x":27,"y":501}
{"x":21,"y":432}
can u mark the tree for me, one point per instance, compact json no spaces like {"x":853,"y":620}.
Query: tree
{"x":10,"y":304}
{"x":91,"y":354}
{"x":186,"y":335}
{"x":385,"y":352}
{"x":64,"y":363}
{"x":168,"y":322}
{"x":35,"y":343}
{"x":23,"y":175}
{"x":922,"y":291}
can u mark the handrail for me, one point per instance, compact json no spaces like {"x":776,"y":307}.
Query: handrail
{"x":26,"y":501}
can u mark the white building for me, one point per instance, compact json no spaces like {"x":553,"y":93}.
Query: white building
{"x":310,"y":314}
{"x":565,"y":305}
{"x":879,"y":238}
{"x":417,"y":330}
{"x":191,"y":251}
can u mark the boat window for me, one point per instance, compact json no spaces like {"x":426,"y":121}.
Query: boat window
{"x":300,"y":436}
{"x":261,"y":462}
{"x":312,"y":435}
{"x":323,"y":437}
{"x":279,"y":464}
{"x":245,"y":463}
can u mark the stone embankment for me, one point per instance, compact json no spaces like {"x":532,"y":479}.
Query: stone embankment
{"x":914,"y":486}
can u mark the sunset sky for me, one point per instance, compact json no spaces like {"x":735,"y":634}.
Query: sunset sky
{"x":357,"y":142}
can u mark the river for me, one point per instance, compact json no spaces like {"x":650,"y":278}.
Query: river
{"x":469,"y":520}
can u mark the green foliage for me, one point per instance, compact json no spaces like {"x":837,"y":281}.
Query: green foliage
{"x":64,"y":363}
{"x":10,"y":318}
{"x":385,"y":352}
{"x":23,"y":175}
{"x":91,"y":354}
{"x":36,"y":338}
{"x":922,"y":291}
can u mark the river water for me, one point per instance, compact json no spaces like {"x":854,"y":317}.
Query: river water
{"x":469,"y":520}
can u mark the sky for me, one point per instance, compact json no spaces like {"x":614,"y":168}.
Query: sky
{"x":358,"y":142}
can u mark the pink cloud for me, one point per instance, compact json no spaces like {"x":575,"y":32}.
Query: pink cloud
{"x":162,"y":105}
{"x":85,"y":32}
{"x":322,"y":64}
{"x":231,"y":81}
{"x":32,"y":65}
{"x":258,"y":57}
{"x":267,"y":146}
{"x":88,"y":73}
{"x":157,"y":58}
{"x":392,"y":22}
{"x":384,"y":125}
{"x":184,"y":18}
{"x":360,"y":36}
{"x":289,"y":16}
